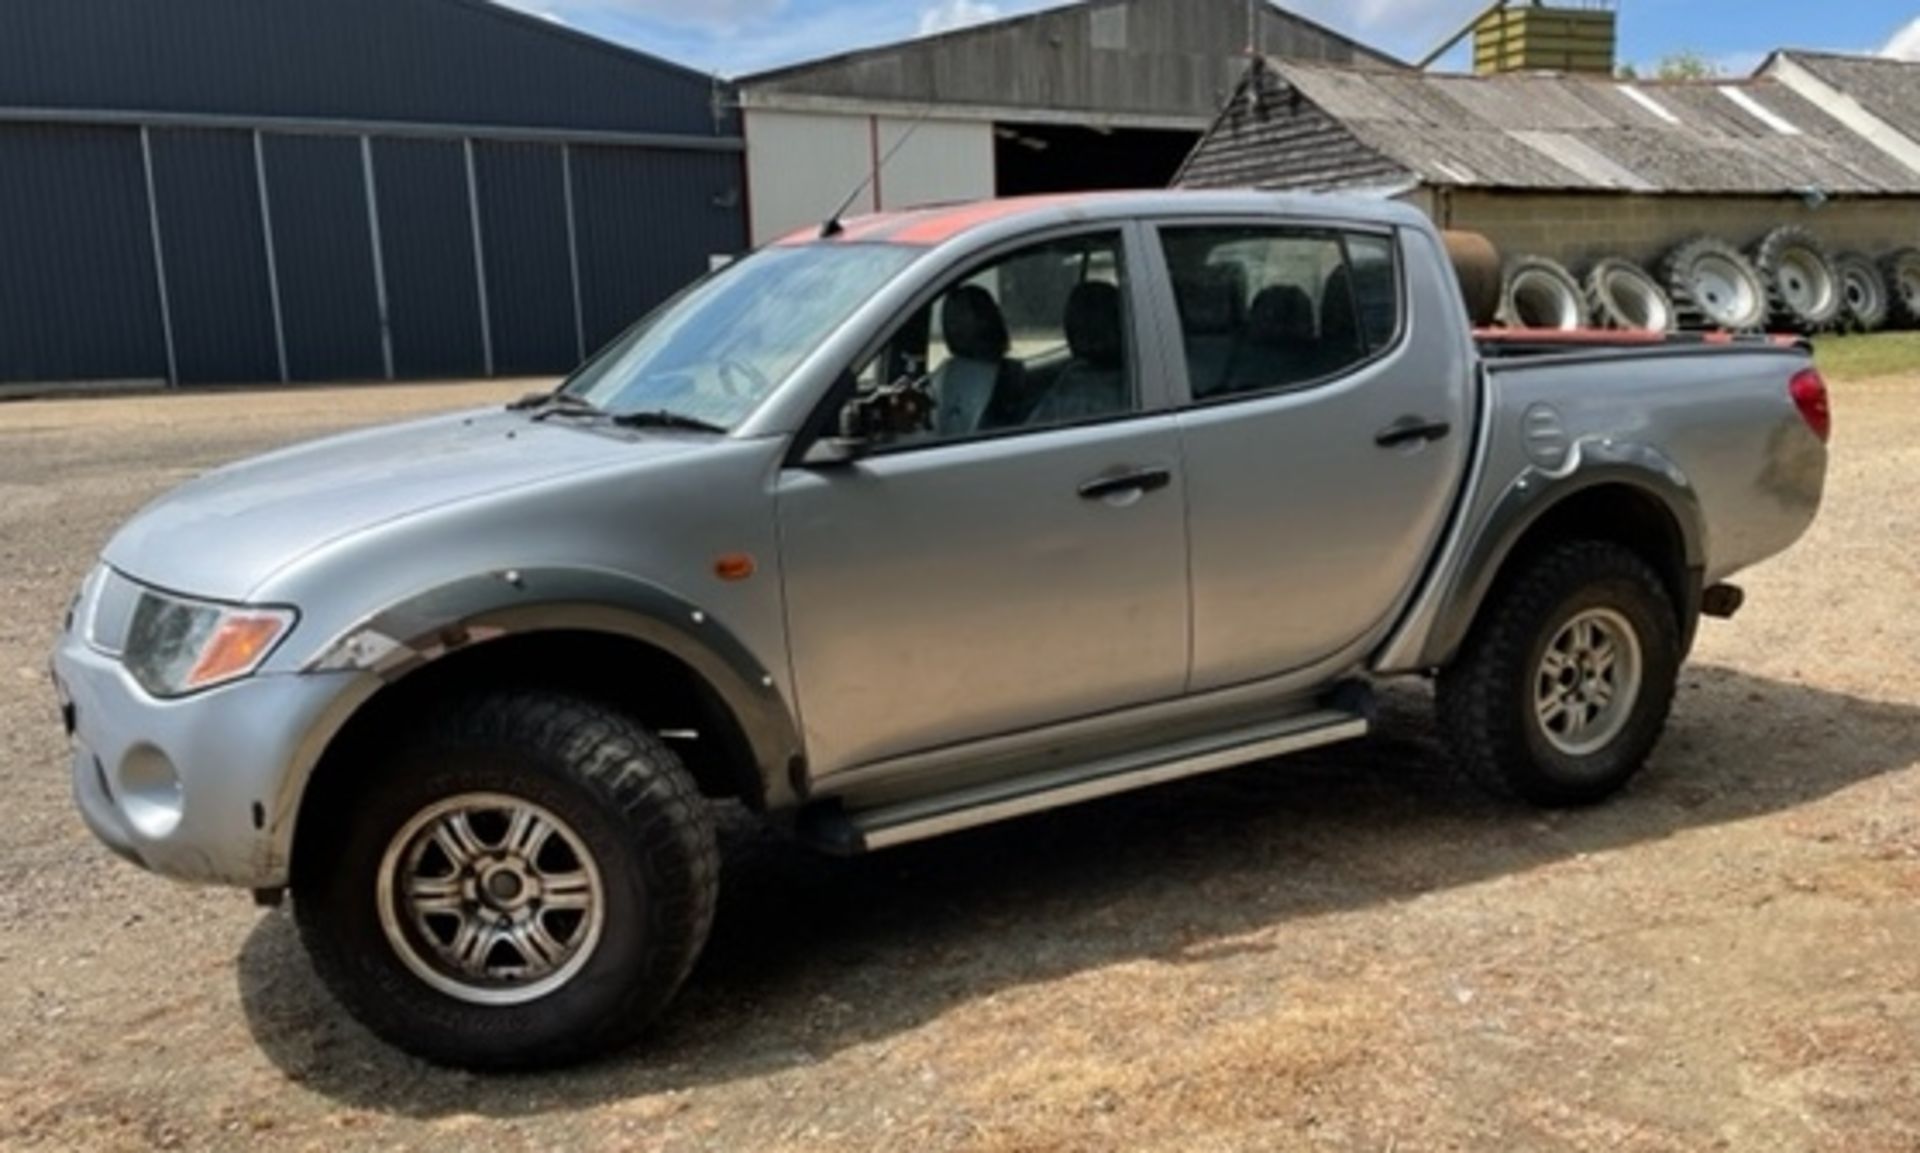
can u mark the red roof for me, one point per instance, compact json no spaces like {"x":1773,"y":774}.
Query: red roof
{"x":929,"y":227}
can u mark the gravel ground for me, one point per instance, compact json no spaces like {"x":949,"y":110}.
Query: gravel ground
{"x":1347,"y":951}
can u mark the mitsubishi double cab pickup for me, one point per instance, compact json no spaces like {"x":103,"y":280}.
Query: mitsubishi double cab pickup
{"x":889,"y":529}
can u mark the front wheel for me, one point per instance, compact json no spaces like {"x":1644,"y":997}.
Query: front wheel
{"x":526,"y":883}
{"x":1561,"y":692}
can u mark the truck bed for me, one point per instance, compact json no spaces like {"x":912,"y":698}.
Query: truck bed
{"x":1522,"y":343}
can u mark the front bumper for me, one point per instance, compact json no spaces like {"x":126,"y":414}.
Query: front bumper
{"x":202,"y":789}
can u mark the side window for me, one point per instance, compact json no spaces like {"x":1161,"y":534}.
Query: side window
{"x":1376,"y":287}
{"x":1270,"y":308}
{"x":1037,"y":339}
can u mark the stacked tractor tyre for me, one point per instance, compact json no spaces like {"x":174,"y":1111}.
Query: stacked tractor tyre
{"x":1540,"y":293}
{"x":1803,"y":286}
{"x":1900,"y":278}
{"x":1714,"y":286}
{"x":1786,"y":281}
{"x":1624,"y":296}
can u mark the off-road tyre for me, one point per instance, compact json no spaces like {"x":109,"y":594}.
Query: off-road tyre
{"x":620,"y":791}
{"x":1622,"y":295}
{"x":1486,"y":697}
{"x":1901,"y":271}
{"x":1865,"y":296}
{"x":1803,"y":286}
{"x":1697,"y":301}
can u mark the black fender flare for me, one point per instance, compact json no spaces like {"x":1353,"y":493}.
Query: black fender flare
{"x":1534,"y":495}
{"x":392,"y":644}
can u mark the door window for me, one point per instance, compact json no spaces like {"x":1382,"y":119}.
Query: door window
{"x":1265,"y":309}
{"x":1037,"y":339}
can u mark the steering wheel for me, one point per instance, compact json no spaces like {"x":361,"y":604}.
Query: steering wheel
{"x":739,"y":379}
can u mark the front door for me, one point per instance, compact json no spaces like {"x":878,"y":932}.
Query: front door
{"x":1008,"y":551}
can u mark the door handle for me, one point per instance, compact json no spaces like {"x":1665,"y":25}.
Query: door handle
{"x":1142,"y":480}
{"x":1409,"y":429}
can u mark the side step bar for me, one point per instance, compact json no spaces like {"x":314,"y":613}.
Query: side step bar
{"x":917,"y":820}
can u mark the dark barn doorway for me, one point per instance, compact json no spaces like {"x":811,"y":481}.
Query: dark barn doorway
{"x":1034,"y":159}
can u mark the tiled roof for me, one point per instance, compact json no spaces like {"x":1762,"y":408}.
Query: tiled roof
{"x":1299,"y":125}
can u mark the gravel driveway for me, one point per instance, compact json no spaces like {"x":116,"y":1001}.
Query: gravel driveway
{"x":1348,"y":951}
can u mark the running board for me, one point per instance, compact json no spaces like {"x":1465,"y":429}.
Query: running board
{"x":917,"y":820}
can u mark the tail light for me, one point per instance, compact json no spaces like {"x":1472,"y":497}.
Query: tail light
{"x":1809,"y":394}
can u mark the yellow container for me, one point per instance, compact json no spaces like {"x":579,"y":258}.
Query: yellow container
{"x":1546,"y":39}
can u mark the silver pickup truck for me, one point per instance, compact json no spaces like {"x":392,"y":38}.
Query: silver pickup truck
{"x":900,"y":526}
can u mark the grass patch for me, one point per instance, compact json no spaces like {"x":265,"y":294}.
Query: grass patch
{"x":1863,"y":357}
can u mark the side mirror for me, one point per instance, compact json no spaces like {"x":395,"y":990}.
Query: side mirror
{"x":835,"y":452}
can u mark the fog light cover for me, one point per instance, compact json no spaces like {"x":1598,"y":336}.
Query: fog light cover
{"x":150,"y":793}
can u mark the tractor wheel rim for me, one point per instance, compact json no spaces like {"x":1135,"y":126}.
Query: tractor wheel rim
{"x":1861,"y":294}
{"x":1726,"y":293}
{"x":1805,"y":282}
{"x":1638,"y":302}
{"x":1540,"y":300}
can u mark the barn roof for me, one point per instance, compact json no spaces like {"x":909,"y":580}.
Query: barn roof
{"x":1172,"y":59}
{"x":1297,"y":125}
{"x":1889,"y":89}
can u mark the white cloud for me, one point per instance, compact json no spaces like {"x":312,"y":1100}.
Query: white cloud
{"x":1905,"y":44}
{"x":717,"y":15}
{"x":948,"y":15}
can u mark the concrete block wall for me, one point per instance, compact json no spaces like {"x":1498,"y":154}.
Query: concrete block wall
{"x":1579,"y":228}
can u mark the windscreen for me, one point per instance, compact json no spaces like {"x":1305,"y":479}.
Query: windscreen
{"x":719,"y":349}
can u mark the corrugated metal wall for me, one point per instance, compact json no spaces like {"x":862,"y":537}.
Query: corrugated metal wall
{"x":523,"y":216}
{"x":433,"y":284}
{"x":323,"y":257}
{"x":1156,"y":58}
{"x":229,"y":191}
{"x":271,"y":266}
{"x":77,"y":285}
{"x":207,"y":197}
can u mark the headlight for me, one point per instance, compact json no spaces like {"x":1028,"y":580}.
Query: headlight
{"x":177,"y":646}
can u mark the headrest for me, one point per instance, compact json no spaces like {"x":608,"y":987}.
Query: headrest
{"x":1212,"y":300}
{"x":1282,"y":317}
{"x":1339,"y":320}
{"x":972,"y":325}
{"x":1093,"y":324}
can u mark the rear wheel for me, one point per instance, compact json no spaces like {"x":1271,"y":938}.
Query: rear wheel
{"x":525,"y":884}
{"x":1563,"y":688}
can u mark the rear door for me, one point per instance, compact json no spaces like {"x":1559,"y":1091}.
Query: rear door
{"x":1006,"y":559}
{"x":1326,"y":428}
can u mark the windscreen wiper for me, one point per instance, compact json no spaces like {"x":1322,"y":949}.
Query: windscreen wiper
{"x":547,"y":404}
{"x":661,"y":418}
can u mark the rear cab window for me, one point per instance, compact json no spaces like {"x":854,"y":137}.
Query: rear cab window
{"x":1272,"y":308}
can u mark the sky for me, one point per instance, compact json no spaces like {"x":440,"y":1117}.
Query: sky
{"x":736,"y":37}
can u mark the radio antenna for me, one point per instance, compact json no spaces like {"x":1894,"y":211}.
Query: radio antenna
{"x":833,"y":227}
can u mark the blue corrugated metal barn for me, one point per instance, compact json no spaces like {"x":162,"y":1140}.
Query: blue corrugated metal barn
{"x":214,"y":191}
